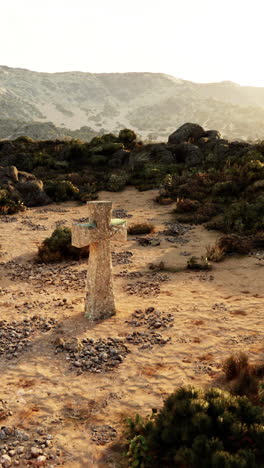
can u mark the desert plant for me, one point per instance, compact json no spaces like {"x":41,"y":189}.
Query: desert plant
{"x":234,"y":244}
{"x":233,"y":365}
{"x":243,"y":378}
{"x":8,"y":206}
{"x":140,"y":228}
{"x":117,"y":182}
{"x":61,"y":190}
{"x":195,"y":264}
{"x":184,"y":205}
{"x":200,"y":429}
{"x":214,"y":253}
{"x":58,"y":247}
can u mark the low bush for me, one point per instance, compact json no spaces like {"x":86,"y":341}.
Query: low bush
{"x":117,"y":182}
{"x":58,"y":247}
{"x":214,"y":253}
{"x":197,"y":264}
{"x":186,"y":205}
{"x":198,"y":429}
{"x":61,"y":190}
{"x":140,"y":228}
{"x":235,"y":244}
{"x":243,"y":378}
{"x":8,"y":206}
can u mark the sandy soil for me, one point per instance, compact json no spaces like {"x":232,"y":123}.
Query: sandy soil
{"x":215,"y":313}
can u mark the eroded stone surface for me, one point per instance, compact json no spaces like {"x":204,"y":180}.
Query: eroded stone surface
{"x":97,"y":233}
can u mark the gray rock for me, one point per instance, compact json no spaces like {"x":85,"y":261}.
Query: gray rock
{"x":188,"y":153}
{"x":212,"y":134}
{"x":161,"y":154}
{"x":188,"y":132}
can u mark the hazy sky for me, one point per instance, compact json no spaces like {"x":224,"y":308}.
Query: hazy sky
{"x":199,"y":40}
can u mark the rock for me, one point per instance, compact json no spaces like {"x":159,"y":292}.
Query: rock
{"x":11,"y":453}
{"x":212,"y":134}
{"x":119,"y":158}
{"x":188,"y":153}
{"x":23,"y":186}
{"x":5,"y":461}
{"x":189,"y":132}
{"x":41,"y":460}
{"x":162,"y":155}
{"x":139,"y":158}
{"x":35,"y":452}
{"x":20,"y":449}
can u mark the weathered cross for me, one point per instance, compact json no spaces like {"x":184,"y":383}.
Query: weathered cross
{"x":98,"y":233}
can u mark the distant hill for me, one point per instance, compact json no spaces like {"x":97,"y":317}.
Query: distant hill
{"x":152,"y":104}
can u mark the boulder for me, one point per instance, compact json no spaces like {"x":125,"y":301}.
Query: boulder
{"x":212,"y":134}
{"x":139,"y":158}
{"x":162,"y":155}
{"x":187,"y":153}
{"x":188,"y":132}
{"x":119,"y":158}
{"x":23,"y":186}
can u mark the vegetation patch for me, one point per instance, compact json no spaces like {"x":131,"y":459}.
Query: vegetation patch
{"x":140,"y":228}
{"x":198,"y":429}
{"x":58,"y":247}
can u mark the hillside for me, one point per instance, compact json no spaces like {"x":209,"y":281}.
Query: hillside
{"x":152,"y":104}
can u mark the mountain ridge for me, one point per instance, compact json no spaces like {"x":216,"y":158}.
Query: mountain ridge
{"x":152,"y":104}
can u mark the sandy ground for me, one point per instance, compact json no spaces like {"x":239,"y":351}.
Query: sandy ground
{"x":215,"y":313}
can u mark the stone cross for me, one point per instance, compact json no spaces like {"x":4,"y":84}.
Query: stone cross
{"x":98,"y":233}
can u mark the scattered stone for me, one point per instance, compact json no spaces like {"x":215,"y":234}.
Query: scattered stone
{"x":147,"y":340}
{"x":121,"y":258}
{"x":129,"y":274}
{"x":145,"y":241}
{"x":102,"y":435}
{"x":148,"y":287}
{"x":98,"y":356}
{"x":33,"y":451}
{"x":151,"y":318}
{"x":8,"y":219}
{"x":64,"y":276}
{"x":15,"y":336}
{"x":120,"y":213}
{"x":33,"y":226}
{"x":4,"y":412}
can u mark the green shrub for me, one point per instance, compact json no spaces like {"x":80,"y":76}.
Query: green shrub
{"x":117,"y":182}
{"x":8,"y":206}
{"x":140,"y":228}
{"x":127,"y":136}
{"x":61,"y":190}
{"x":58,"y":247}
{"x":199,"y":429}
{"x":98,"y":160}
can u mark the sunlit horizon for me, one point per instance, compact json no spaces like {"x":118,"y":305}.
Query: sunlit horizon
{"x":193,"y":41}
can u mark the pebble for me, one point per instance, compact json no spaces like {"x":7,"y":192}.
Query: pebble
{"x":93,"y":356}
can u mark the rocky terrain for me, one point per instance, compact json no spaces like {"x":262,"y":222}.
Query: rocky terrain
{"x":80,"y":105}
{"x":68,"y":385}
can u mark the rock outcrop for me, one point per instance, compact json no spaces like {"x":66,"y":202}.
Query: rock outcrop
{"x":23,"y":186}
{"x":187,"y":133}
